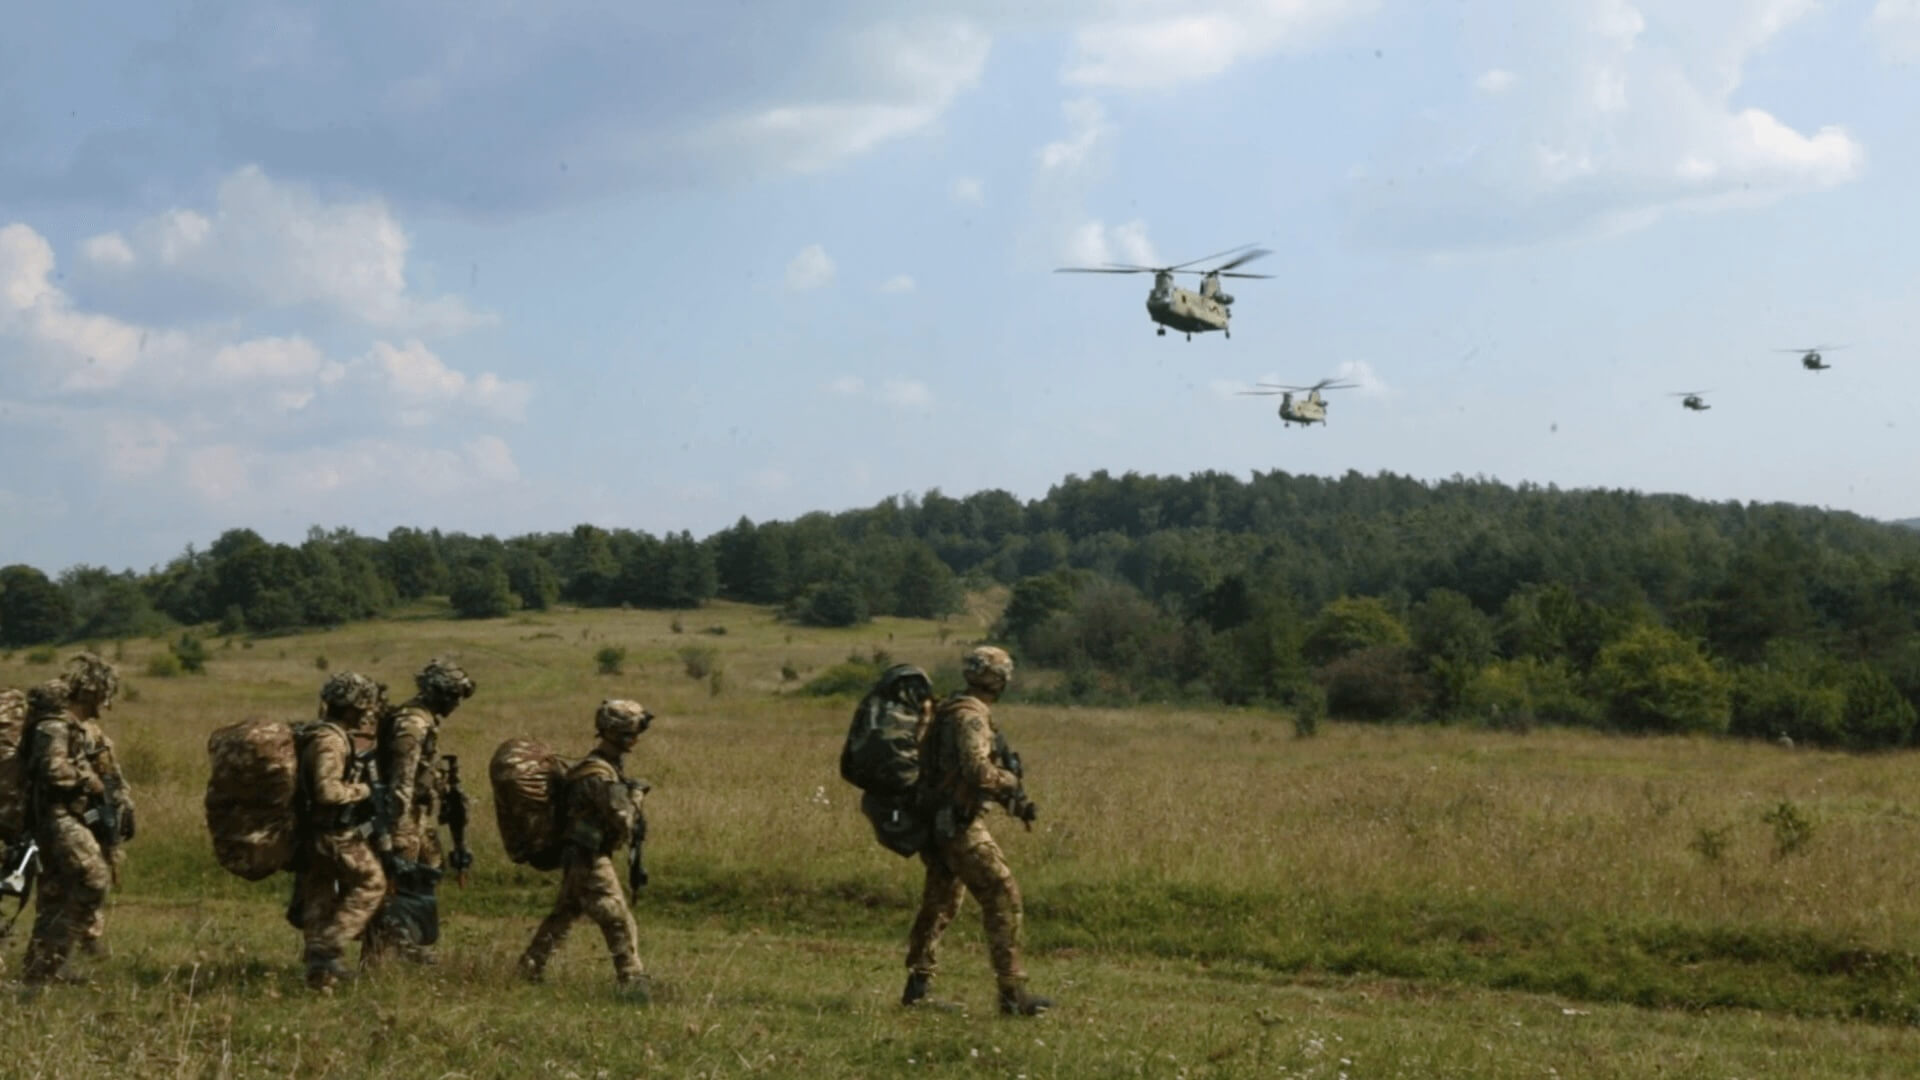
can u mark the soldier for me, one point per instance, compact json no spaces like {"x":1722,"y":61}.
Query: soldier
{"x":340,"y":879}
{"x":409,"y":761}
{"x":64,"y":793}
{"x":92,"y":683}
{"x":602,"y":813}
{"x":963,"y":771}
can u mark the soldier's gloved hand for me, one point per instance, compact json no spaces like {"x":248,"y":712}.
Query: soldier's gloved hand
{"x":96,"y":786}
{"x":126,"y":823}
{"x":1023,"y":808}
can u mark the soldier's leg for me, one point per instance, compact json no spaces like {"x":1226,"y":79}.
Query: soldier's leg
{"x":939,"y":902}
{"x":74,"y":858}
{"x":553,"y":929}
{"x":601,"y":900}
{"x":977,"y":860}
{"x":347,"y":889}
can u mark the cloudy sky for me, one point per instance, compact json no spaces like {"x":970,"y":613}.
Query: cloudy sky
{"x":507,"y":266}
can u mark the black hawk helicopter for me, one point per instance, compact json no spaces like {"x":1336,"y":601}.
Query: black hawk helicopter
{"x":1183,"y":309}
{"x":1307,"y":412}
{"x":1691,"y":399}
{"x":1811,"y":359}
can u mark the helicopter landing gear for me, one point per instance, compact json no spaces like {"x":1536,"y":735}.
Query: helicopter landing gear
{"x":1229,"y":334}
{"x":1189,"y":337}
{"x":1160,"y":330}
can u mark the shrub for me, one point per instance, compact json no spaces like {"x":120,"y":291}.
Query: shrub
{"x":1376,"y":683}
{"x":192,"y":654}
{"x":163,"y":665}
{"x":320,"y":662}
{"x":41,"y":656}
{"x":788,"y":672}
{"x":610,"y":658}
{"x":699,"y":660}
{"x":854,"y":677}
{"x":677,"y":626}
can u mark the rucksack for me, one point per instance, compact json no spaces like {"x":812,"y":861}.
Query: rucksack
{"x":529,"y":801}
{"x":13,"y":765}
{"x":881,"y":757}
{"x":251,"y":810}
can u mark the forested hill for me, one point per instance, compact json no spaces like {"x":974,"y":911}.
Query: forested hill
{"x":1142,"y":581}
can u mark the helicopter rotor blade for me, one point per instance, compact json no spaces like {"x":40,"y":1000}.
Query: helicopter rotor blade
{"x":1215,"y":255}
{"x":1688,"y":393}
{"x":1245,"y":275}
{"x":1090,"y":270}
{"x":1246,"y":258}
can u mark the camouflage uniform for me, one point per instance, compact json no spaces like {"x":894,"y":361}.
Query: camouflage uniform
{"x":410,"y":763}
{"x":75,"y":874}
{"x":92,"y":683}
{"x":962,"y":778}
{"x":341,"y":882}
{"x":602,"y":811}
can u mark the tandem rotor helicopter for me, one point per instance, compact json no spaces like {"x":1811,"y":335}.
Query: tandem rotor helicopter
{"x":1183,"y":309}
{"x":1305,"y":413}
{"x":1810,"y":358}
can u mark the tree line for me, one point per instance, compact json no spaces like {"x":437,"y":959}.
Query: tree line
{"x":1381,"y":596}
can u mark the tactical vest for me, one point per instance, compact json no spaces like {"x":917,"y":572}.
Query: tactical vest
{"x":329,"y":819}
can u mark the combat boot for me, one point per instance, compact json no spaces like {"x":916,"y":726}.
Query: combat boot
{"x":531,"y":970}
{"x":916,"y":988}
{"x":637,"y":987}
{"x":1016,"y":1001}
{"x":325,"y":972}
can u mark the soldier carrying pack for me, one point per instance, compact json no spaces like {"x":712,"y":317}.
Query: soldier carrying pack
{"x":529,"y":801}
{"x":881,"y":757}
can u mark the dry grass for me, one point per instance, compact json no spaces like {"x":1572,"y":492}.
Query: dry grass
{"x":1200,"y":885}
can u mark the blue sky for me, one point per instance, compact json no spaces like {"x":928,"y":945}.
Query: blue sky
{"x":506,"y":267}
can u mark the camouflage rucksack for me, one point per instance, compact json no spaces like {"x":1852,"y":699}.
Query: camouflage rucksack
{"x":251,"y":811}
{"x":881,"y":757}
{"x":13,"y":765}
{"x":529,"y":784}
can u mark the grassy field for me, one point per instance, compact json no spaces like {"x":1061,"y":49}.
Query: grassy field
{"x":1207,"y":894}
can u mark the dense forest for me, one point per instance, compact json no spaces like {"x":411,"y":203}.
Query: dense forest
{"x":1377,"y":597}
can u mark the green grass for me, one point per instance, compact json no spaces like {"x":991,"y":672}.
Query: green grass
{"x":1206,"y":894}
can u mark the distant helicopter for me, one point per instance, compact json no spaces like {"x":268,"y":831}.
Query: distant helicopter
{"x":1691,"y":399}
{"x":1304,"y":413}
{"x":1183,"y":309}
{"x":1810,"y":358}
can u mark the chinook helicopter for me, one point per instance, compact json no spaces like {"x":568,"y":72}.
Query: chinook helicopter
{"x":1691,"y":399}
{"x":1810,"y":358}
{"x":1305,"y":413}
{"x":1182,"y":309}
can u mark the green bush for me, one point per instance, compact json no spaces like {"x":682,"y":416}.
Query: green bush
{"x":1375,"y":683}
{"x":163,"y":665}
{"x":41,"y":656}
{"x":610,"y":659}
{"x":854,"y":677}
{"x":1653,"y":679}
{"x":191,"y":653}
{"x":699,"y":660}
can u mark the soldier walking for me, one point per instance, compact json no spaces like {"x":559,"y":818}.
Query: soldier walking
{"x":964,"y":771}
{"x":92,"y":684}
{"x":602,"y":816}
{"x":340,"y":879}
{"x":67,"y":810}
{"x":409,"y":740}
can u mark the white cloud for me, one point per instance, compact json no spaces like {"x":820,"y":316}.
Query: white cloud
{"x":278,"y":244}
{"x":1150,"y":44}
{"x":1896,"y":25}
{"x":915,"y":71}
{"x":898,"y":283}
{"x":906,"y":393}
{"x":424,"y":383}
{"x":1087,"y":127}
{"x":847,"y":385}
{"x":1362,"y":373}
{"x":1094,"y":243}
{"x":1493,"y":81}
{"x":1627,"y":115}
{"x":811,"y":269}
{"x":771,"y":479}
{"x":968,"y":189}
{"x":218,"y":474}
{"x":284,"y":358}
{"x":108,"y":249}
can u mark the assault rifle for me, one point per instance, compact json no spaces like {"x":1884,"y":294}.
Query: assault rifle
{"x":22,"y":866}
{"x":636,"y":869}
{"x":453,"y":814}
{"x":1019,"y":805}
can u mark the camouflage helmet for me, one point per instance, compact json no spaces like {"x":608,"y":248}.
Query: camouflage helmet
{"x":47,"y":700}
{"x":90,"y":676}
{"x":618,"y":716}
{"x":349,"y":690}
{"x":987,"y":667}
{"x":444,"y":679}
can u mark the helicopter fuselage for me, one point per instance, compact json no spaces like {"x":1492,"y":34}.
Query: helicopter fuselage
{"x":1813,"y":362}
{"x":1188,"y":311}
{"x":1308,"y":412}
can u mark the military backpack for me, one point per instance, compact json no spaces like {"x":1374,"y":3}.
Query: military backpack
{"x":13,"y":765}
{"x":252,"y":812}
{"x":529,"y":801}
{"x":881,"y":757}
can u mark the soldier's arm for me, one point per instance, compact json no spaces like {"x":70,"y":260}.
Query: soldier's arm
{"x":613,"y":806}
{"x":407,"y":740}
{"x":107,"y":763}
{"x":974,"y":735}
{"x":57,"y":767}
{"x":329,"y":764}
